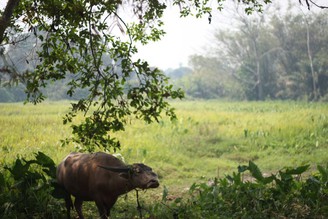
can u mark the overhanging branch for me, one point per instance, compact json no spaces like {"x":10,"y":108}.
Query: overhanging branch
{"x":6,"y":17}
{"x":313,"y":3}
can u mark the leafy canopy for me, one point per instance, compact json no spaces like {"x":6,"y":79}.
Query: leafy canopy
{"x":79,"y":40}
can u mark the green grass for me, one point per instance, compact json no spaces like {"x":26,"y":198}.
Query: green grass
{"x":209,"y":139}
{"x":28,"y":128}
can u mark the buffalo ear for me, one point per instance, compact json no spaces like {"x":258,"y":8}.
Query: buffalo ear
{"x":124,"y":175}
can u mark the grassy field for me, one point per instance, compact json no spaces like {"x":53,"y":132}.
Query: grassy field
{"x":209,"y":139}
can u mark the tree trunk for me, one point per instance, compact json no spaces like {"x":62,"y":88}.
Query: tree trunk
{"x":313,"y":74}
{"x":6,"y":17}
{"x":259,"y":81}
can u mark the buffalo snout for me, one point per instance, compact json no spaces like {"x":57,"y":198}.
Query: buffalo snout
{"x":153,"y":183}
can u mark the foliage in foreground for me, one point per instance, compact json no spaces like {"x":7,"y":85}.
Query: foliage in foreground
{"x":281,"y":195}
{"x":27,"y":191}
{"x":25,"y":188}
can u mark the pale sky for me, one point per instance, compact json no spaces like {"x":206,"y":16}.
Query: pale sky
{"x":184,"y":37}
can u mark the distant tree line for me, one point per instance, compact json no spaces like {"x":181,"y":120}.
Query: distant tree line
{"x":280,"y":55}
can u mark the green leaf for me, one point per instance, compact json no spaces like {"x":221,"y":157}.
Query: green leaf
{"x":165,"y":193}
{"x":44,"y":160}
{"x":323,"y":172}
{"x":19,"y":169}
{"x":255,"y":171}
{"x":297,"y":170}
{"x":242,"y":168}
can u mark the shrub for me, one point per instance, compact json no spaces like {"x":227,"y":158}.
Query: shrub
{"x":26,"y":188}
{"x":281,"y":195}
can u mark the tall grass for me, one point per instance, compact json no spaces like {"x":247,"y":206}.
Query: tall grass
{"x":25,"y":129}
{"x":209,"y":138}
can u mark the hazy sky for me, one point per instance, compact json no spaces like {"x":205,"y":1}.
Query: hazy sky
{"x":184,"y":36}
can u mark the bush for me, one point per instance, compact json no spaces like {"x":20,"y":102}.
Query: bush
{"x":281,"y":195}
{"x":27,"y":190}
{"x":26,"y":187}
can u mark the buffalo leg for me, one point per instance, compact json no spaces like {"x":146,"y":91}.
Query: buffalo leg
{"x":102,"y":210}
{"x":78,"y":207}
{"x":69,"y":205}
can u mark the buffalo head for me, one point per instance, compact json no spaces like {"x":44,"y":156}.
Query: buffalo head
{"x":138,"y":174}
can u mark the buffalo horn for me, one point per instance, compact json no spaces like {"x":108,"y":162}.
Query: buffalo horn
{"x":116,"y":169}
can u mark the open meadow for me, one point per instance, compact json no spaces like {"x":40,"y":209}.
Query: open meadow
{"x":208,"y":140}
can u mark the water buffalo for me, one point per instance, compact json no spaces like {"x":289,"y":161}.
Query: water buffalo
{"x":102,"y":178}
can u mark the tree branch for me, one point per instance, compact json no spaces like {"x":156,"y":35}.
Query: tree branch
{"x":313,"y":3}
{"x":319,"y":6}
{"x":6,"y":17}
